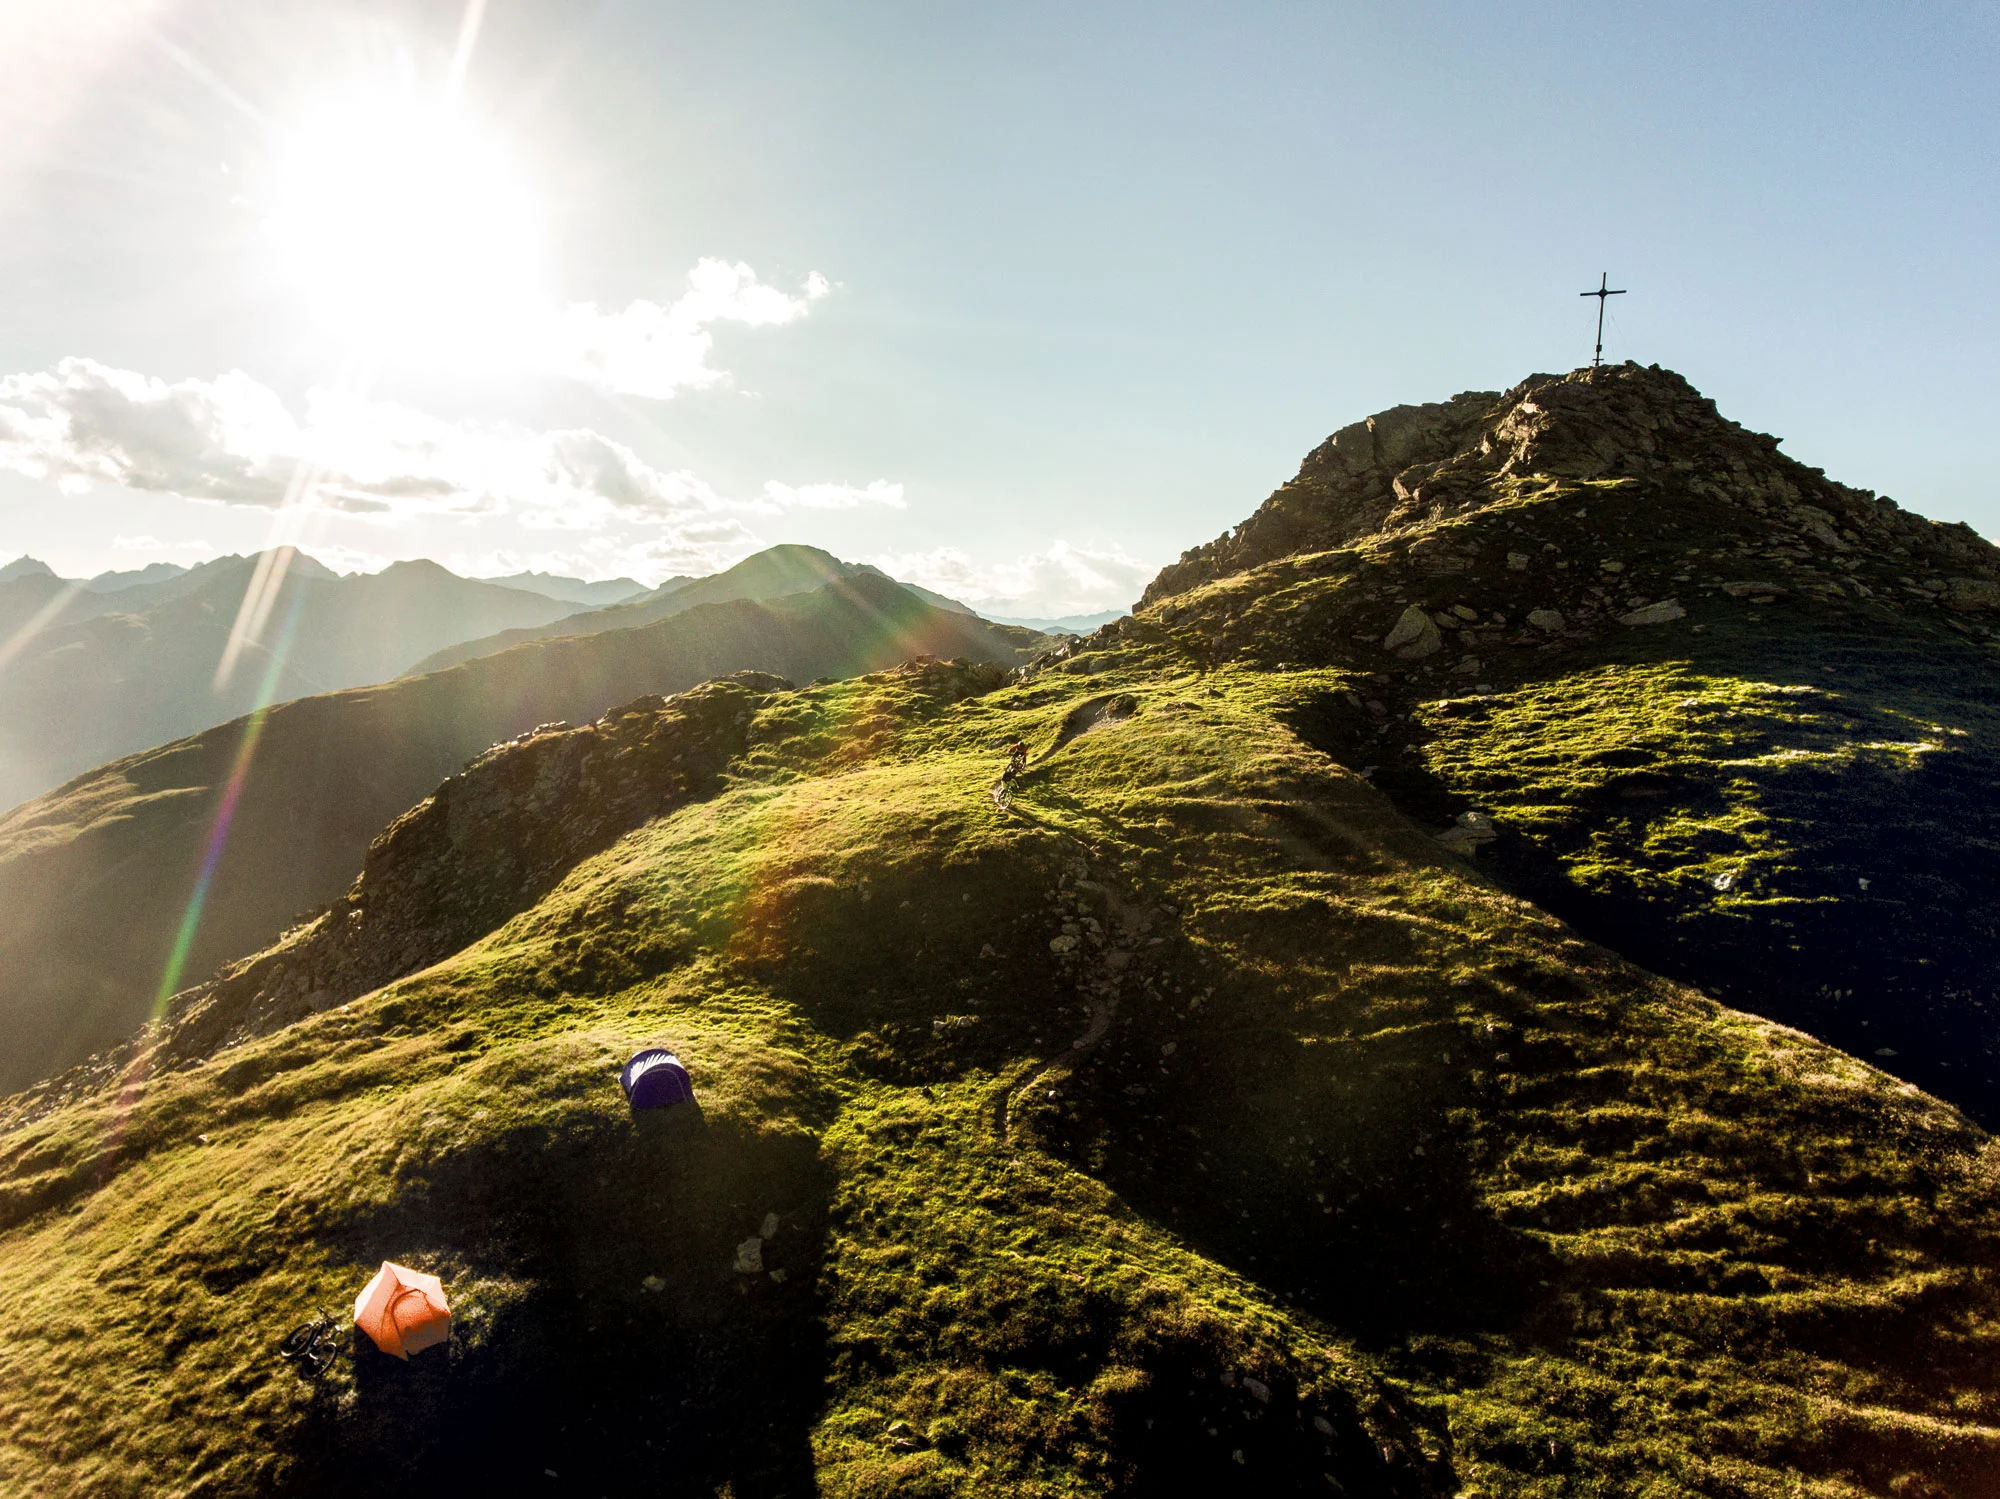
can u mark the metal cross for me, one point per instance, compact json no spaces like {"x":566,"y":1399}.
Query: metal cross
{"x":1603,"y":281}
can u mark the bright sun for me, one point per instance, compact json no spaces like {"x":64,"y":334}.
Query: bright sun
{"x":406,"y":230}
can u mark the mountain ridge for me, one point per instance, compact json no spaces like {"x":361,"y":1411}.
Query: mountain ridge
{"x":94,"y":876}
{"x":1729,"y":716}
{"x":770,"y":573}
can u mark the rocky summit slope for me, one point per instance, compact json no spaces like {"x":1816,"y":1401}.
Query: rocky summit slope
{"x":1727,"y":715}
{"x":1200,"y":1123}
{"x":98,"y":877}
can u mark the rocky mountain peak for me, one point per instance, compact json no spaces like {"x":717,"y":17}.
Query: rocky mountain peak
{"x":1642,"y":429}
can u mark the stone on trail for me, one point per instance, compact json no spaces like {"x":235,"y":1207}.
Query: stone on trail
{"x":750,"y":1256}
{"x":770,"y":1227}
{"x":1654,"y":614}
{"x":1547,"y":620}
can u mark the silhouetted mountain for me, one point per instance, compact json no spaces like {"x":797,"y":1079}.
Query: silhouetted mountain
{"x":1068,"y":624}
{"x":108,"y":673}
{"x":119,"y":582}
{"x":576,"y":590}
{"x":25,"y":567}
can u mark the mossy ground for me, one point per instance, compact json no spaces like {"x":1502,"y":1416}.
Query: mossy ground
{"x":1197,"y":1123}
{"x":1790,"y":799}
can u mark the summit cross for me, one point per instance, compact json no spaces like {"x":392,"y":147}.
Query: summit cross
{"x":1603,"y":281}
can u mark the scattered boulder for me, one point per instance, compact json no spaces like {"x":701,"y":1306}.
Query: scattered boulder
{"x":1745,"y":590}
{"x":1467,"y":834}
{"x":750,"y":1256}
{"x":1548,"y":621}
{"x":1654,"y":614}
{"x":1415,"y":636}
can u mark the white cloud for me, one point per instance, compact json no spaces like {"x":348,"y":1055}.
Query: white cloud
{"x":225,"y":439}
{"x":1043,"y":585}
{"x":232,"y":441}
{"x":831,"y":496}
{"x":154,"y":544}
{"x":654,"y":351}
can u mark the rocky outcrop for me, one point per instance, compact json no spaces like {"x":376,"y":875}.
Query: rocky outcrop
{"x":1412,"y":466}
{"x":1346,"y":488}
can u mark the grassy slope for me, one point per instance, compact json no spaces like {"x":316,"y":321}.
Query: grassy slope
{"x":95,"y":876}
{"x":1828,"y":751}
{"x":1507,"y":1215}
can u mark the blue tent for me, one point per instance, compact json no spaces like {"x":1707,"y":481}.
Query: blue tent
{"x":655,"y":1079}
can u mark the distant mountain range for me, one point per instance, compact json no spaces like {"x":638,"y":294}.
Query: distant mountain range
{"x":89,"y":672}
{"x":1068,"y":624}
{"x":575,"y":590}
{"x":96,"y":877}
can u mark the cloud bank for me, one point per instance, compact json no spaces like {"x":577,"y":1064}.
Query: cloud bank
{"x":232,"y":441}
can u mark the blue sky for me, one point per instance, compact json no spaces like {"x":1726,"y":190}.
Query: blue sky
{"x":1095,"y":277}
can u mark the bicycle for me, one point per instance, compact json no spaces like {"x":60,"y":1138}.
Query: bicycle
{"x":311,"y":1347}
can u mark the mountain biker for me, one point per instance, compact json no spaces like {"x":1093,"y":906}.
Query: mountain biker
{"x":1017,"y":761}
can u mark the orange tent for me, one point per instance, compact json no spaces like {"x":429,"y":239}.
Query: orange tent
{"x":403,"y":1310}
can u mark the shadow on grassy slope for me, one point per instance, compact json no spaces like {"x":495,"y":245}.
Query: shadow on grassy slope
{"x":632,"y":1347}
{"x":1812,"y":836}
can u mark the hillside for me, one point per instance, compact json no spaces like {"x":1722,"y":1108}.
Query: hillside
{"x":1208,"y":1121}
{"x":115,"y":672}
{"x":1198,"y":1125}
{"x":1727,"y":715}
{"x":771,"y":573}
{"x":95,"y":877}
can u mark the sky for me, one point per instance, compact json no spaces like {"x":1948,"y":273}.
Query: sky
{"x":1018,"y":302}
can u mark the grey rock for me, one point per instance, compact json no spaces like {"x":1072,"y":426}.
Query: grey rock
{"x":1973,"y":593}
{"x":1745,"y":590}
{"x":1415,"y":636}
{"x":750,"y":1256}
{"x":1549,"y":621}
{"x":1471,"y":830}
{"x":1654,"y":614}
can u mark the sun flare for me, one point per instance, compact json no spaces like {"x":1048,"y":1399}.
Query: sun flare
{"x":406,"y":229}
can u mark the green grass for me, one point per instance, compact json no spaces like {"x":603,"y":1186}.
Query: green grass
{"x":1355,"y":1123}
